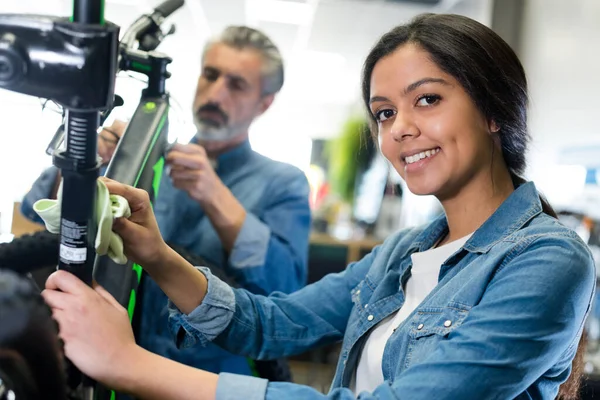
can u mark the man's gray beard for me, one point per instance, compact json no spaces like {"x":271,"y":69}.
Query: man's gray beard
{"x":210,"y":133}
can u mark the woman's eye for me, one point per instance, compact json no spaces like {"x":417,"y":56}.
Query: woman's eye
{"x":384,"y":114}
{"x":428,"y":100}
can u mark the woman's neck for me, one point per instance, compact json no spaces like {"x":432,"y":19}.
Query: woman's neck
{"x":475,"y":203}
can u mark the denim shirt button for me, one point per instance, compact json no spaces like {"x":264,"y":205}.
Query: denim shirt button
{"x":420,"y":327}
{"x":358,"y":292}
{"x":447,"y":323}
{"x":370,"y":318}
{"x":366,"y":305}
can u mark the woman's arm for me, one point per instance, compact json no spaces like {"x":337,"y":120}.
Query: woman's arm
{"x":144,"y":245}
{"x":99,"y":341}
{"x":204,"y":308}
{"x":183,"y":284}
{"x":275,"y":326}
{"x":152,"y":377}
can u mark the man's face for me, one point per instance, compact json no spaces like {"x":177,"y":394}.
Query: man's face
{"x":229,"y":93}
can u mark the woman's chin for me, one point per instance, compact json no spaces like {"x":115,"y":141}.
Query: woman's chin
{"x":420,"y":189}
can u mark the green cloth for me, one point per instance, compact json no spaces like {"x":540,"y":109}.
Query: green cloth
{"x":108,"y":207}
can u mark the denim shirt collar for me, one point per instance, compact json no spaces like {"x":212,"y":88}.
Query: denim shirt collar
{"x":232,"y":158}
{"x":237,"y":154}
{"x":521,"y":206}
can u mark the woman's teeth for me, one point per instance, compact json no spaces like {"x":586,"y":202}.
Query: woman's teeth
{"x":421,"y":155}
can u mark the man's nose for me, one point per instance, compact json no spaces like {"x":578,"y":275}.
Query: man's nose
{"x":218,"y":91}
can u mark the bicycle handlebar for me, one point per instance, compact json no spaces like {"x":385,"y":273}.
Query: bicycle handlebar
{"x":149,"y":25}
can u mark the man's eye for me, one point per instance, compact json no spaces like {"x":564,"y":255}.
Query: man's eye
{"x":210,"y":75}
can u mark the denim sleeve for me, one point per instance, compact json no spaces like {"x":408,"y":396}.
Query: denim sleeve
{"x":284,"y":324}
{"x":207,"y":320}
{"x":41,"y":189}
{"x":270,"y":327}
{"x":270,"y":253}
{"x":530,"y":318}
{"x":230,"y":387}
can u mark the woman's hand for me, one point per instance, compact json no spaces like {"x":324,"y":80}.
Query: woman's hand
{"x":94,"y":327}
{"x":99,"y":341}
{"x":143,"y":243}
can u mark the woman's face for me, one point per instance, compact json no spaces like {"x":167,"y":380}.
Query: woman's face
{"x":429,"y":128}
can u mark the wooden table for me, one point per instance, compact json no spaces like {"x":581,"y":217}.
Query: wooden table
{"x":356,"y":247}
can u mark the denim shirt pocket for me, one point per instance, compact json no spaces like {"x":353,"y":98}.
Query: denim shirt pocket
{"x":429,"y":327}
{"x":360,"y":295}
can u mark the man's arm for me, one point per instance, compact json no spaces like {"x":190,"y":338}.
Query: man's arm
{"x":270,"y":253}
{"x":266,"y":254}
{"x":226,"y":215}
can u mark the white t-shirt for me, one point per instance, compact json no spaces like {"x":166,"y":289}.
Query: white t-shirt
{"x":424,"y":277}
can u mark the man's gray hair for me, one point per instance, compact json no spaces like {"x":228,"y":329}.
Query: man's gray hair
{"x":243,"y":37}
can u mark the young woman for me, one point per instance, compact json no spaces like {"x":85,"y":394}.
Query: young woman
{"x":486,"y":302}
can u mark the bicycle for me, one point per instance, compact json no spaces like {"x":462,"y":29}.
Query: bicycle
{"x":74,"y":62}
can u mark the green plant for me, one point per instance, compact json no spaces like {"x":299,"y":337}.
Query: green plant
{"x":348,"y":153}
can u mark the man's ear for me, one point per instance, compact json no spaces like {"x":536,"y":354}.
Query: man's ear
{"x":265,"y":103}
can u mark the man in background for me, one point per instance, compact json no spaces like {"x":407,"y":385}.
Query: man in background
{"x":243,"y":213}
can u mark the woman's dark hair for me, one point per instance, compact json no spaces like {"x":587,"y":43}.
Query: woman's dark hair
{"x":491,"y":73}
{"x":31,"y":361}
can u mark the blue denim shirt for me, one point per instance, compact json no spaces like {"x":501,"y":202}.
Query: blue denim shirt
{"x":503,"y":322}
{"x":270,"y":252}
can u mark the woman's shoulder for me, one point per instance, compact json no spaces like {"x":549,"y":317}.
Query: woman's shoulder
{"x":548,"y":244}
{"x":546,"y":229}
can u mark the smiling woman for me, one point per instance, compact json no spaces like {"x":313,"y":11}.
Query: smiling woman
{"x":451,"y":118}
{"x":488,"y":301}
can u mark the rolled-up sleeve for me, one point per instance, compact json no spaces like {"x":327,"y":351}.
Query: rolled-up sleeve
{"x":207,"y":320}
{"x":234,"y":387}
{"x":251,"y":245}
{"x":271,"y":250}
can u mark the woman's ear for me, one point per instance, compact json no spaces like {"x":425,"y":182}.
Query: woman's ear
{"x":493,"y":127}
{"x":493,"y":130}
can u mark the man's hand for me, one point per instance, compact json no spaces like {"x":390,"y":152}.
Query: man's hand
{"x":94,"y":326}
{"x":142,"y":241}
{"x":192,"y":172}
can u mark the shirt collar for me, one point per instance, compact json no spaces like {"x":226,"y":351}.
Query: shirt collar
{"x":232,"y":158}
{"x":519,"y":208}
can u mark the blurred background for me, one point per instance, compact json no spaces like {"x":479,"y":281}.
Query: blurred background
{"x":317,"y":122}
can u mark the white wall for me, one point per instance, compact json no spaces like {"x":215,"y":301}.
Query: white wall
{"x":561,"y":54}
